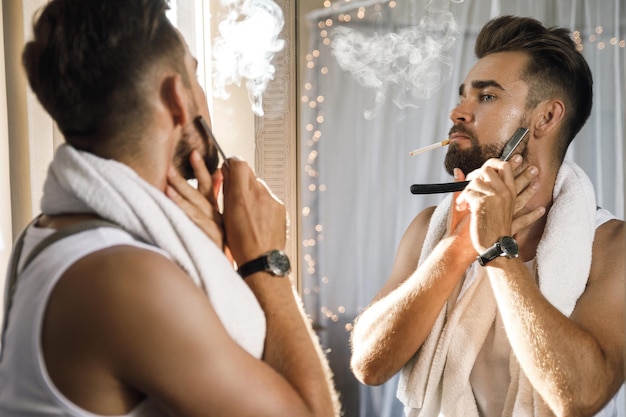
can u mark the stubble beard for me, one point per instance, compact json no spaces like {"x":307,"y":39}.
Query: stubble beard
{"x":208,"y":152}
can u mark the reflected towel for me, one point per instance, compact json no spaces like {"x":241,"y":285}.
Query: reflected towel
{"x":436,"y":380}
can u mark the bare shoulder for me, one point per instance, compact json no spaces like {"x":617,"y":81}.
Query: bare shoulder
{"x":608,"y":264}
{"x":600,"y":310}
{"x":112,"y":272}
{"x":413,"y":238}
{"x":110,"y":322}
{"x":605,"y":286}
{"x":109,"y":277}
{"x":121,"y":291}
{"x":416,"y":231}
{"x":422,"y":220}
{"x":409,"y":251}
{"x":609,"y":244}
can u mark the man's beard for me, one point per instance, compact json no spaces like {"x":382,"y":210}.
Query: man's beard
{"x":184,"y":149}
{"x":470,"y":159}
{"x":473,"y":158}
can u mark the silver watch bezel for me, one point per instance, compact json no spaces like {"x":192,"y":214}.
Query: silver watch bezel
{"x":278,"y":263}
{"x":505,"y":246}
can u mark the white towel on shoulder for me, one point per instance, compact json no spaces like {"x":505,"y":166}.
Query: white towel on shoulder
{"x":80,"y":182}
{"x":436,"y":380}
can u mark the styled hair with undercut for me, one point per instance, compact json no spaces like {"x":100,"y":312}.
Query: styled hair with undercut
{"x":555,"y":69}
{"x":87,"y":63}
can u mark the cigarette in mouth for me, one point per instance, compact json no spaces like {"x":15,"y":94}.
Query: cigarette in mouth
{"x":429,"y":147}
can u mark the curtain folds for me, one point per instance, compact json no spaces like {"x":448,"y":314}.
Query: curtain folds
{"x":359,"y":124}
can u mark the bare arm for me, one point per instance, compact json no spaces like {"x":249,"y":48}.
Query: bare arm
{"x":255,"y":222}
{"x":125,"y":323}
{"x":577,"y":363}
{"x":395,"y":325}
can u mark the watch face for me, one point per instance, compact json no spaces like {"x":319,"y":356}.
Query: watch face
{"x":509,"y":246}
{"x":278,"y":262}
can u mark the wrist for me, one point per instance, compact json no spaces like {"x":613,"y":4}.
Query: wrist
{"x":275,"y":263}
{"x":271,"y":293}
{"x":461,"y":250}
{"x":504,"y":247}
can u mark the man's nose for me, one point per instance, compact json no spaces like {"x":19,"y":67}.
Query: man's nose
{"x":462,"y":112}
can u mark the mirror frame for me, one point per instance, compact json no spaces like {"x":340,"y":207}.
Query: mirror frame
{"x":276,"y":134}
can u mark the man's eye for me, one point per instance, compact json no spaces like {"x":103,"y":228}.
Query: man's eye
{"x":487,"y":98}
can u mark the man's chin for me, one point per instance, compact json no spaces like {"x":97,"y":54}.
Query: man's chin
{"x":466,"y":165}
{"x":471,"y":159}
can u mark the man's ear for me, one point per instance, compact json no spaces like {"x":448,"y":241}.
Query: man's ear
{"x":174,"y":97}
{"x":548,"y":117}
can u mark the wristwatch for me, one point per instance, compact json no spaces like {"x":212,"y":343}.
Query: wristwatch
{"x":275,"y":262}
{"x":505,"y":246}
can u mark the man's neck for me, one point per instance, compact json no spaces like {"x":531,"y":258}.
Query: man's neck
{"x":528,"y":239}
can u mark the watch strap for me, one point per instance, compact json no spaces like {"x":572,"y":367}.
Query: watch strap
{"x":505,"y":246}
{"x":274,"y":262}
{"x":490,"y":254}
{"x":255,"y":265}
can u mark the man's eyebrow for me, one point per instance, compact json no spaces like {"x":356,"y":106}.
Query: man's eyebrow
{"x":479,"y":84}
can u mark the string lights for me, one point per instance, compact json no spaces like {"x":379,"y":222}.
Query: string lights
{"x":312,"y":134}
{"x":598,"y":39}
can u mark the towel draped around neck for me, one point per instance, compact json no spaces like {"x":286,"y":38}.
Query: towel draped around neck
{"x":80,"y":182}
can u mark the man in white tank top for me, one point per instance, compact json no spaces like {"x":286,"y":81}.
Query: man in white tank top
{"x":506,"y":299}
{"x":153,"y":319}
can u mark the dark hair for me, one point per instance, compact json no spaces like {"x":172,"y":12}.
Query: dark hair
{"x":555,"y":68}
{"x":88,"y":58}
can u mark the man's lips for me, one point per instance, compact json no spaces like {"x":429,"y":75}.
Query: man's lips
{"x":458,"y":137}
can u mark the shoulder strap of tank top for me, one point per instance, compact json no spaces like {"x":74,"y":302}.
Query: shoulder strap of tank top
{"x":13,"y":271}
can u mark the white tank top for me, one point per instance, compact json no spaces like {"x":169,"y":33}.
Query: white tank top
{"x":25,"y":386}
{"x":490,"y":376}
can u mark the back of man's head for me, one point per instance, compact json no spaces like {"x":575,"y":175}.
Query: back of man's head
{"x":87,"y":61}
{"x":555,"y":67}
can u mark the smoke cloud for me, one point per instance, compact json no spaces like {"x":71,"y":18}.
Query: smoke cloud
{"x":248,"y":39}
{"x":408,"y":64}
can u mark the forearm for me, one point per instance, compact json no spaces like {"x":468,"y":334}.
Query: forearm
{"x":563,"y":362}
{"x":393,"y":328}
{"x":291,"y":347}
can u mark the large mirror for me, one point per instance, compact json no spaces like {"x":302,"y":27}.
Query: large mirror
{"x":378,"y":79}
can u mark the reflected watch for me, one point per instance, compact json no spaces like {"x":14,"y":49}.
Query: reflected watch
{"x":275,"y":262}
{"x":505,"y":246}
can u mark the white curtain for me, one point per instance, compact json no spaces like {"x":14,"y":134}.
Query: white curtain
{"x":355,"y":143}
